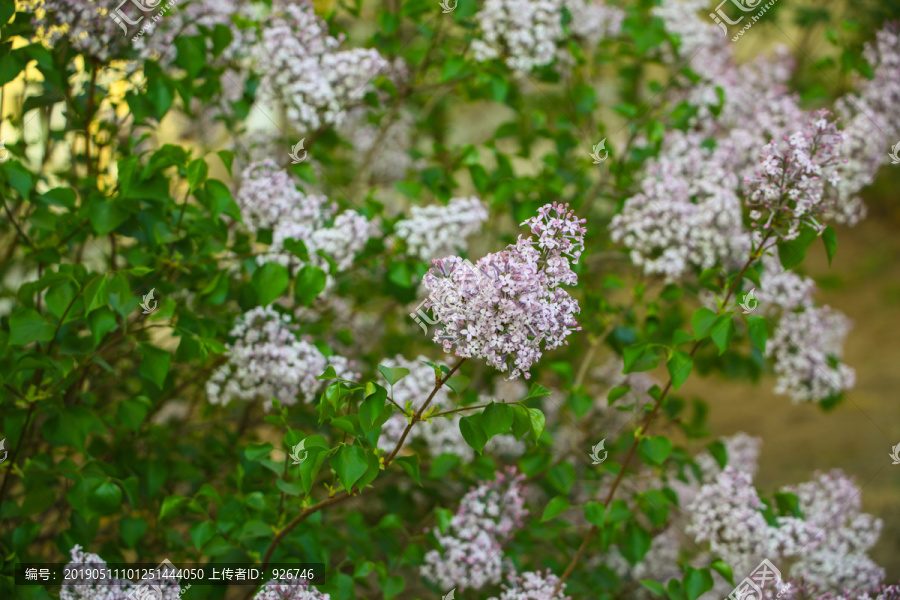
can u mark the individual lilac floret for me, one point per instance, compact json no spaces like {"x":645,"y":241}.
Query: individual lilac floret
{"x":471,"y":550}
{"x":290,"y":589}
{"x":266,"y":359}
{"x":789,"y":188}
{"x":510,"y":305}
{"x":532,"y":585}
{"x":121,"y":589}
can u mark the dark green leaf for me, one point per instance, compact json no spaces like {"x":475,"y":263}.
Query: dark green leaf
{"x":556,"y":507}
{"x":471,"y":430}
{"x":270,"y":281}
{"x":721,"y":332}
{"x":679,"y":365}
{"x":309,"y":283}
{"x":350,"y":463}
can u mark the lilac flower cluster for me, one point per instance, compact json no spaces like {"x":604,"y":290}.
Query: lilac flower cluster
{"x":840,"y":535}
{"x":511,"y":304}
{"x":471,"y":550}
{"x":89,"y":589}
{"x":805,"y":350}
{"x":726,"y":514}
{"x":297,"y":589}
{"x":87,"y":26}
{"x":788,"y":190}
{"x":532,"y":585}
{"x":269,"y":199}
{"x":303,"y":69}
{"x":267,"y":360}
{"x":529,"y":34}
{"x":441,"y":229}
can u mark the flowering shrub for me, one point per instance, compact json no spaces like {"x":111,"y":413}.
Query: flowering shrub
{"x":350,"y":284}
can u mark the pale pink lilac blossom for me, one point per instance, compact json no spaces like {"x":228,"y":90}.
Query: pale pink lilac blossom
{"x":532,"y":585}
{"x":290,"y":589}
{"x":89,"y":589}
{"x":471,"y":549}
{"x":511,"y":305}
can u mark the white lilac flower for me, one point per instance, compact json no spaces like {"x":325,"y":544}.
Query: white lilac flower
{"x":439,"y":230}
{"x":89,"y":589}
{"x":511,"y":306}
{"x":593,"y":21}
{"x":525,"y":33}
{"x":267,"y":360}
{"x":303,"y":69}
{"x":532,"y":585}
{"x":87,"y":25}
{"x":290,"y":589}
{"x":268,"y":197}
{"x":471,"y":549}
{"x":805,"y":349}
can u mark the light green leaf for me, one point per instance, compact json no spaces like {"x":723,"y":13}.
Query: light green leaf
{"x":679,"y":365}
{"x":556,"y":507}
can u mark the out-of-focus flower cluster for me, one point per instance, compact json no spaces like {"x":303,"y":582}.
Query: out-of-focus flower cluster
{"x":304,"y":70}
{"x":438,"y":230}
{"x":89,"y":588}
{"x":269,"y":199}
{"x":511,"y":304}
{"x":471,"y":549}
{"x":528,"y":34}
{"x":532,"y":585}
{"x":87,"y":25}
{"x":267,"y":360}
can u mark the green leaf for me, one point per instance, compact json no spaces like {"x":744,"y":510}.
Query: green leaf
{"x":697,"y":582}
{"x":132,"y":529}
{"x":270,"y":281}
{"x":227,"y":157}
{"x":829,"y":237}
{"x":258,"y":451}
{"x":675,"y":591}
{"x":26,"y":326}
{"x":496,"y":419}
{"x":793,"y":252}
{"x":724,"y":570}
{"x":457,"y":383}
{"x":197,"y":171}
{"x":640,"y":357}
{"x":470,"y":428}
{"x":96,"y":294}
{"x":616,"y":393}
{"x":759,"y":333}
{"x":537,"y":422}
{"x":679,"y":365}
{"x":702,"y":321}
{"x":635,"y":543}
{"x":191,"y":53}
{"x":655,"y":588}
{"x":202,"y":532}
{"x":656,"y":449}
{"x":106,"y":498}
{"x":719,"y":452}
{"x":154,"y":364}
{"x":721,"y":332}
{"x":521,"y":421}
{"x":393,"y":374}
{"x":536,"y":391}
{"x":594,"y":512}
{"x":309,"y":283}
{"x":291,"y":488}
{"x":350,"y":463}
{"x":410,"y":464}
{"x":556,"y":507}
